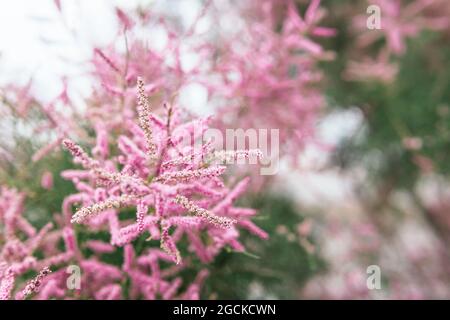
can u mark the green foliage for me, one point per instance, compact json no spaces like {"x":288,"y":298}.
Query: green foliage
{"x":416,"y":104}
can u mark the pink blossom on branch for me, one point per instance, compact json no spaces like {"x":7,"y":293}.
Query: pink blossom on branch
{"x":266,"y":76}
{"x":170,"y":200}
{"x":19,"y":242}
{"x":160,"y":188}
{"x":34,"y":285}
{"x":399,"y":21}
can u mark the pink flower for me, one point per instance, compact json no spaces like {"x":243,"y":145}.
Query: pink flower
{"x":47,"y":180}
{"x":34,"y":285}
{"x":266,"y":76}
{"x":401,"y":21}
{"x":7,"y":279}
{"x":171,"y":194}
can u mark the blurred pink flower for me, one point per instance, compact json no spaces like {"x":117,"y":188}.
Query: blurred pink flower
{"x":47,"y":180}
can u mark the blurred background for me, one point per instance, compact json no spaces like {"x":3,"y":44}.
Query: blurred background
{"x":365,"y":183}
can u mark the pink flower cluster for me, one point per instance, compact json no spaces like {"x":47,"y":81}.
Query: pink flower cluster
{"x":177,"y":195}
{"x":266,"y":75}
{"x":19,"y":244}
{"x":187,"y":196}
{"x":398,"y":21}
{"x":259,"y":77}
{"x":116,"y":71}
